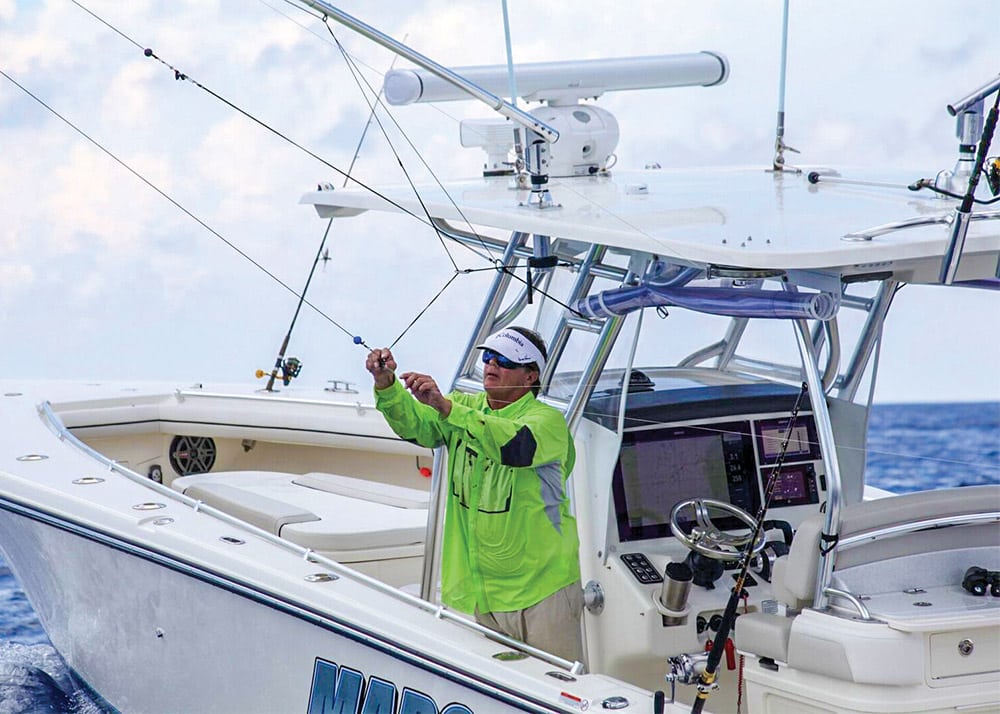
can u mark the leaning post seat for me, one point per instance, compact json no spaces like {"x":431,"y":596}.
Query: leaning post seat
{"x":888,"y":574}
{"x":794,"y":576}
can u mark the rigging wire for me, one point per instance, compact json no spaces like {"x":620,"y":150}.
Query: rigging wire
{"x":347,"y":175}
{"x":173,"y":201}
{"x":179,"y":75}
{"x":372,"y":106}
{"x":347,"y":178}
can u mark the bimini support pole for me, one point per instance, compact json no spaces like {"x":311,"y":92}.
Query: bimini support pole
{"x":824,"y":429}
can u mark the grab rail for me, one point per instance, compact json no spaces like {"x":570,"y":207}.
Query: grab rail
{"x":923,"y":524}
{"x":56,"y":425}
{"x":851,"y":598}
{"x":920,"y":221}
{"x":898,"y":529}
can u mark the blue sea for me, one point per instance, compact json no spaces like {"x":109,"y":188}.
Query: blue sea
{"x":910,"y":448}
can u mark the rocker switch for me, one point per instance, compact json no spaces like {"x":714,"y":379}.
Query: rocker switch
{"x":641,"y":568}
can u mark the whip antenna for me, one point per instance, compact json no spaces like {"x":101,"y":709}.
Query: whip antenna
{"x":779,"y":132}
{"x":520,"y":175}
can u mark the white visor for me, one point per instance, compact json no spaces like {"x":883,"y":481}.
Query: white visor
{"x":515,"y":347}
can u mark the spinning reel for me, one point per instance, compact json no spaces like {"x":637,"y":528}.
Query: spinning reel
{"x":288,"y":370}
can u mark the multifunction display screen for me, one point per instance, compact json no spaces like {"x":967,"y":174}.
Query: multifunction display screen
{"x":659,"y":468}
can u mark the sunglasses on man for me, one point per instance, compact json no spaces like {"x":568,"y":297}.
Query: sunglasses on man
{"x":490,"y":355}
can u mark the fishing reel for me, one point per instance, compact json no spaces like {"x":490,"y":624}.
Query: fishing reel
{"x":993,"y":175}
{"x":687,"y":669}
{"x":288,"y":370}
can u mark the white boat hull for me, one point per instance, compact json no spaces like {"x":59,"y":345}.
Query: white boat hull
{"x":110,"y":606}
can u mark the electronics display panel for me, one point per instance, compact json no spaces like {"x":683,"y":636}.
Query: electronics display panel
{"x":657,"y":468}
{"x":795,"y":486}
{"x":803,"y":444}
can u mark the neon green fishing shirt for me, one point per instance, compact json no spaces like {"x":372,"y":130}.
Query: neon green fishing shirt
{"x":509,"y":538}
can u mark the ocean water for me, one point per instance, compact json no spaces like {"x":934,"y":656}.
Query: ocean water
{"x":910,"y":448}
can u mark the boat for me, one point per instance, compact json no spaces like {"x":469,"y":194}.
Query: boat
{"x":276,"y":548}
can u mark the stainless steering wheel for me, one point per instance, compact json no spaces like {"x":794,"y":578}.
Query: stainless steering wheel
{"x":705,"y":538}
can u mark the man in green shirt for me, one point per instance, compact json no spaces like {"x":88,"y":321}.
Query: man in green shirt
{"x":510,"y":551}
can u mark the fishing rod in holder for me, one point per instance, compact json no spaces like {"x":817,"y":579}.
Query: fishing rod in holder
{"x":969,"y":111}
{"x":290,"y":368}
{"x":684,"y":668}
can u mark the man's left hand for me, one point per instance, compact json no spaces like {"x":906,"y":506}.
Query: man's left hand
{"x":426,"y":391}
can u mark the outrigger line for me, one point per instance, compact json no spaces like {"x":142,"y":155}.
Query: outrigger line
{"x":292,"y":367}
{"x":288,"y":368}
{"x":707,"y":681}
{"x":121,"y":162}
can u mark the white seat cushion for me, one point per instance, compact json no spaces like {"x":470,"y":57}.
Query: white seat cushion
{"x":267,"y":513}
{"x":764,"y":635}
{"x":375,"y":491}
{"x":348,"y":516}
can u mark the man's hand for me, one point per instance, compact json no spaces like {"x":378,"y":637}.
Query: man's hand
{"x":382,"y":366}
{"x":425,"y":390}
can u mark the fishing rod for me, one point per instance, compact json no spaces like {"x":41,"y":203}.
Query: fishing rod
{"x":963,"y":213}
{"x":291,"y":367}
{"x":706,"y":682}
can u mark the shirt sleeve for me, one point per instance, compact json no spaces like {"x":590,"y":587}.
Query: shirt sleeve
{"x":537,"y":437}
{"x":410,"y":419}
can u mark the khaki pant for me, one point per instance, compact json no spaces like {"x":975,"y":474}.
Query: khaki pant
{"x":552,"y":625}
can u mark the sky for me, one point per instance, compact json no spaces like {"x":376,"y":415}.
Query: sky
{"x":101,"y":276}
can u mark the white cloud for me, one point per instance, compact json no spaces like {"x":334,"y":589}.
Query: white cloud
{"x":865,"y":92}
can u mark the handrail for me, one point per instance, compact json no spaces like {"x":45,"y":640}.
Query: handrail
{"x":56,"y":425}
{"x":912,"y":526}
{"x":897,"y":530}
{"x":944,"y":218}
{"x":851,"y":598}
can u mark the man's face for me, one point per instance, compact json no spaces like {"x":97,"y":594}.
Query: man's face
{"x":503,"y":385}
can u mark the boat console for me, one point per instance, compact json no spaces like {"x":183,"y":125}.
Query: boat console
{"x":693,"y":441}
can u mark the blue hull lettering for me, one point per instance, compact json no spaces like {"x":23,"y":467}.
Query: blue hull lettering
{"x":337,"y":689}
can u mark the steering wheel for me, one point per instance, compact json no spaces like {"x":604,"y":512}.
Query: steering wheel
{"x":705,"y":538}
